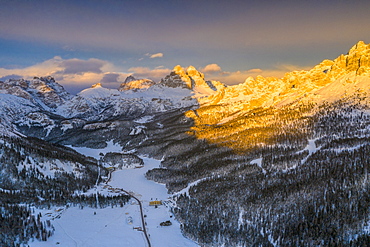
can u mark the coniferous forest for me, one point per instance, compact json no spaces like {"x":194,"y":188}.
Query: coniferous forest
{"x":24,"y":189}
{"x":281,"y":194}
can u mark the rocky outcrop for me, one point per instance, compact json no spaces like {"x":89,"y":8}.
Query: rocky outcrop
{"x":131,"y":83}
{"x":43,"y":91}
{"x":191,"y":79}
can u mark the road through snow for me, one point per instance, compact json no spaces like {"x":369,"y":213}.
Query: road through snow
{"x":91,"y":227}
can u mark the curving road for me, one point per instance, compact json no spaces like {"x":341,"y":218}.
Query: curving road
{"x":142,"y":216}
{"x":140,"y":205}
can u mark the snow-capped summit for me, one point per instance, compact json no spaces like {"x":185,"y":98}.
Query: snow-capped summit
{"x":96,"y":85}
{"x":98,"y":91}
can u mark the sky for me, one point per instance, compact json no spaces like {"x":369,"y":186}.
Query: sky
{"x":82,"y":42}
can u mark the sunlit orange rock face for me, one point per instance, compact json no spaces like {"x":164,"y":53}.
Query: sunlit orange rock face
{"x":131,"y":83}
{"x":269,"y":111}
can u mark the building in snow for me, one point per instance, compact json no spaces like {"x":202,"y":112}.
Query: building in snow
{"x":155,"y":203}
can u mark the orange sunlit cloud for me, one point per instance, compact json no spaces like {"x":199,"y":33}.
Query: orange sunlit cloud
{"x":75,"y":74}
{"x":215,"y":72}
{"x":156,"y":55}
{"x":210,"y":68}
{"x":145,"y":72}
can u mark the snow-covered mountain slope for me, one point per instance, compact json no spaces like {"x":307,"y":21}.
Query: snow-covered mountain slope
{"x":343,"y":72}
{"x":44,"y":92}
{"x":53,"y":109}
{"x":327,"y":82}
{"x":29,"y":103}
{"x":13,"y":109}
{"x":180,"y":89}
{"x":98,"y":103}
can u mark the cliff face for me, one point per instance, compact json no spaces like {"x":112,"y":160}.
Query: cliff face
{"x":39,"y":90}
{"x":131,"y":83}
{"x":190,"y":78}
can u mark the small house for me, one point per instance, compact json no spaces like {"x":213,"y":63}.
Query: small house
{"x":155,"y":203}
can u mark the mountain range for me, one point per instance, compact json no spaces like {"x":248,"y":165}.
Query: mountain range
{"x":271,"y":161}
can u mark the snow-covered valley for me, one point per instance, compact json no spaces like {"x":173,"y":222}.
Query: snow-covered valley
{"x":117,"y":226}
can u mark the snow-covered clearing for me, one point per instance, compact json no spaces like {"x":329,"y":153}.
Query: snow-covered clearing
{"x":145,"y":119}
{"x":311,"y":148}
{"x":111,"y":226}
{"x":258,"y":162}
{"x":185,"y":191}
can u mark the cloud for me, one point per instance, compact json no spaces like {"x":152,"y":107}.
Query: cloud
{"x":78,"y":66}
{"x":210,"y":68}
{"x":214,"y":72}
{"x":13,"y":76}
{"x":114,"y":78}
{"x":45,"y":68}
{"x":156,"y":55}
{"x":74,"y":74}
{"x":110,"y":78}
{"x":58,"y":66}
{"x":68,"y":48}
{"x":77,"y":74}
{"x":259,"y":71}
{"x":145,"y":72}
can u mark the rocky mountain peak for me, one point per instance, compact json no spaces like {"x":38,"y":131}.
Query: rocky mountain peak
{"x":177,"y":79}
{"x":182,"y":73}
{"x":129,"y":78}
{"x":193,"y":72}
{"x":360,"y":47}
{"x":39,"y":89}
{"x":355,"y":63}
{"x":96,"y":85}
{"x":192,"y":79}
{"x":191,"y":76}
{"x":131,"y":83}
{"x":327,"y":81}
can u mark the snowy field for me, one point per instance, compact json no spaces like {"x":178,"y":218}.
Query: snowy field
{"x":110,"y":227}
